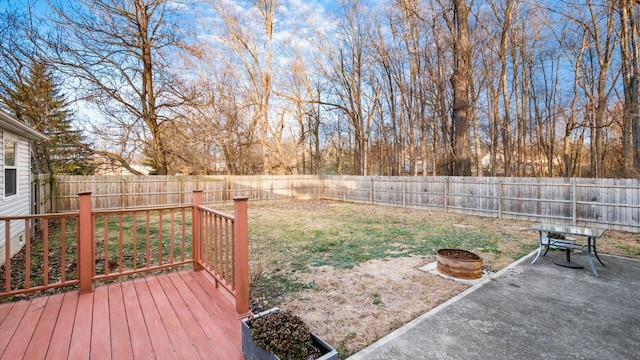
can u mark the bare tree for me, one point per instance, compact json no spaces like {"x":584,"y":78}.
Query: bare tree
{"x":597,"y":22}
{"x":355,"y":87}
{"x":117,"y":54}
{"x":630,"y":58}
{"x":460,"y":82}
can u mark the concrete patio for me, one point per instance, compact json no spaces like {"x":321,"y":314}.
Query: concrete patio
{"x":530,"y":311}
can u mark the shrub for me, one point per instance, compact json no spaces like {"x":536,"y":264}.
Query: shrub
{"x":283,"y":334}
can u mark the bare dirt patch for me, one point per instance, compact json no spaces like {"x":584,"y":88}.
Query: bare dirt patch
{"x":353,"y":308}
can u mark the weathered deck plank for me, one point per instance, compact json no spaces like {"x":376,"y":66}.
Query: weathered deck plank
{"x":119,"y":326}
{"x":4,"y":310}
{"x":81,"y":336}
{"x":100,"y":326}
{"x":24,"y":332}
{"x":44,"y":329}
{"x":169,"y":316}
{"x":140,"y":340}
{"x":174,"y":328}
{"x":61,"y":337}
{"x":11,"y":322}
{"x":192,"y":327}
{"x":160,"y":341}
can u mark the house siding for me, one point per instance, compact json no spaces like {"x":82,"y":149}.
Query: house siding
{"x":19,"y":204}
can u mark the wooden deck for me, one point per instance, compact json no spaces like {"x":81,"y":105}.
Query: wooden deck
{"x":178,"y":315}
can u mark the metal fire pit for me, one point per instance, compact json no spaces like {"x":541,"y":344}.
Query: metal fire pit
{"x":461,"y":264}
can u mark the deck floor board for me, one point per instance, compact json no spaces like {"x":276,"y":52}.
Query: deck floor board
{"x":119,"y":325}
{"x":199,"y":339}
{"x":4,"y":310}
{"x":10,"y":324}
{"x":100,"y":325}
{"x":61,"y":337}
{"x":213,"y":330}
{"x":24,"y":332}
{"x":80,"y":346}
{"x":44,"y":329}
{"x":140,"y":340}
{"x":170,"y":316}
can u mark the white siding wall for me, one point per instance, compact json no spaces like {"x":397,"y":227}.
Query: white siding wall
{"x":18,"y":204}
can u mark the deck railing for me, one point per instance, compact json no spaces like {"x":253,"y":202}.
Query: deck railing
{"x":82,"y":247}
{"x":222,"y":247}
{"x":129,"y":242}
{"x":52,"y":265}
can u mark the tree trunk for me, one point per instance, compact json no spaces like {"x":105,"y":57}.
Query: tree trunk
{"x":460,"y":83}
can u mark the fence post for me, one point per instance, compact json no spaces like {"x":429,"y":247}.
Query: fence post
{"x":574,"y":201}
{"x":446,"y":194}
{"x":500,"y":195}
{"x":122,"y":195}
{"x":404,"y":192}
{"x":261,"y":188}
{"x":241,"y":249}
{"x":292,"y":187}
{"x":224,"y":191}
{"x":371,"y":190}
{"x":86,"y":252}
{"x":196,"y":230}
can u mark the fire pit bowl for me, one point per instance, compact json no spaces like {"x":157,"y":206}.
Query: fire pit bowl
{"x":461,"y":264}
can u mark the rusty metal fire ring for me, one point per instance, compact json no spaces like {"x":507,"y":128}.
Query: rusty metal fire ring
{"x":457,"y":263}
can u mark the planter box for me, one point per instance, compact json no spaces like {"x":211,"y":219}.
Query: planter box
{"x":253,"y":352}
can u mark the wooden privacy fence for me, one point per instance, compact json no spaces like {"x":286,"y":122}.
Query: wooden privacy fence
{"x":610,"y":203}
{"x":78,"y":248}
{"x":125,"y":192}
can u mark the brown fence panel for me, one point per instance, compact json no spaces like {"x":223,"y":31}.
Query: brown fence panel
{"x":611,"y":203}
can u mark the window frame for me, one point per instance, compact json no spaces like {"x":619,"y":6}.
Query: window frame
{"x":14,"y":167}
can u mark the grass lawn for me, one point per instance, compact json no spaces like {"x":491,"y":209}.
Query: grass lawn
{"x":287,"y":239}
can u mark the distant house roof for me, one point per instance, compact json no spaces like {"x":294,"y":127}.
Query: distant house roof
{"x":9,"y":123}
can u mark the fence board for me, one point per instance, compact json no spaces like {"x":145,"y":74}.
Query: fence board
{"x":611,"y":203}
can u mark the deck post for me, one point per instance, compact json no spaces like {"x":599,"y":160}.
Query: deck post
{"x":241,"y":244}
{"x":86,"y":252}
{"x":196,"y":230}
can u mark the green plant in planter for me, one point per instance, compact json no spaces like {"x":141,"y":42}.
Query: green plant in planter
{"x":283,"y":334}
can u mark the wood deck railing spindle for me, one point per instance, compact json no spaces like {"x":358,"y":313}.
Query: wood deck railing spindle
{"x":172,"y":236}
{"x":27,"y":257}
{"x":106,"y":244}
{"x":135,"y":241}
{"x":7,"y":255}
{"x":228,"y":243}
{"x":160,"y":248}
{"x":147,"y":240}
{"x":63,"y":247}
{"x":196,"y":227}
{"x":184,"y":234}
{"x":45,"y":255}
{"x":120,"y":243}
{"x":217,"y":230}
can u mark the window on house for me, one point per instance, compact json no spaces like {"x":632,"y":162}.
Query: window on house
{"x":10,"y":169}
